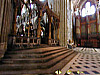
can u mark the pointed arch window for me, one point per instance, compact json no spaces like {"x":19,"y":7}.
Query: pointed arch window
{"x":93,"y":10}
{"x":88,"y":10}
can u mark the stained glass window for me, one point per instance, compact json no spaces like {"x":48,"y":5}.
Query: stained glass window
{"x":83,"y":12}
{"x":93,"y":9}
{"x":88,"y":10}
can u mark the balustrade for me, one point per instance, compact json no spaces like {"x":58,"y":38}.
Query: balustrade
{"x":23,"y":42}
{"x":53,"y":42}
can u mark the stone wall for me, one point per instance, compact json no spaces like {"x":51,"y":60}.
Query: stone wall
{"x":63,"y":9}
{"x":6,"y":14}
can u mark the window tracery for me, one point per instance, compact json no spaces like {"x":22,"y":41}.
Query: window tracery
{"x":88,"y":10}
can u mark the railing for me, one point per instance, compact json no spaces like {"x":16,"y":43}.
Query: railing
{"x":23,"y":42}
{"x":53,"y":42}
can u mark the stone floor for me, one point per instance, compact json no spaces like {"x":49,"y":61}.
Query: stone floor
{"x":87,"y":62}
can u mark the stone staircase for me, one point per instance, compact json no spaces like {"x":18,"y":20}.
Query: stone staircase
{"x":41,"y":61}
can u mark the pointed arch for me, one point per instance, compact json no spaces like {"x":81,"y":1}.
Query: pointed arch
{"x":88,"y":9}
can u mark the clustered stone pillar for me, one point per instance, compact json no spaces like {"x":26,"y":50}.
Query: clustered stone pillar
{"x":14,"y":31}
{"x":5,"y":23}
{"x":58,"y":31}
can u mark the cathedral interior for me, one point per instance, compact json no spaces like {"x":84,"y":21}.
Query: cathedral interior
{"x":49,"y":37}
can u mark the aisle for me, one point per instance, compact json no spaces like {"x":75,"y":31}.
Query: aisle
{"x":87,"y":62}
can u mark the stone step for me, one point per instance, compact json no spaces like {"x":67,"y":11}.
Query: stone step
{"x":35,"y":51}
{"x":49,"y":71}
{"x":34,"y":60}
{"x":63,"y":63}
{"x":26,"y":72}
{"x":23,"y":56}
{"x":34,"y":47}
{"x":43,"y":61}
{"x":46,"y":65}
{"x":34,"y":55}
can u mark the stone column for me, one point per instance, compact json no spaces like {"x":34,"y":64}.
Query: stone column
{"x":14,"y":27}
{"x":1,"y":14}
{"x":58,"y":31}
{"x":62,"y":23}
{"x":3,"y":27}
{"x":72,"y":30}
{"x":4,"y":23}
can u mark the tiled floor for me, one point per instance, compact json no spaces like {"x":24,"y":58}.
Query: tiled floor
{"x":87,"y":62}
{"x":88,"y":50}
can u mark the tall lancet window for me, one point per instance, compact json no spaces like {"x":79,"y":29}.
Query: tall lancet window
{"x":88,"y":9}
